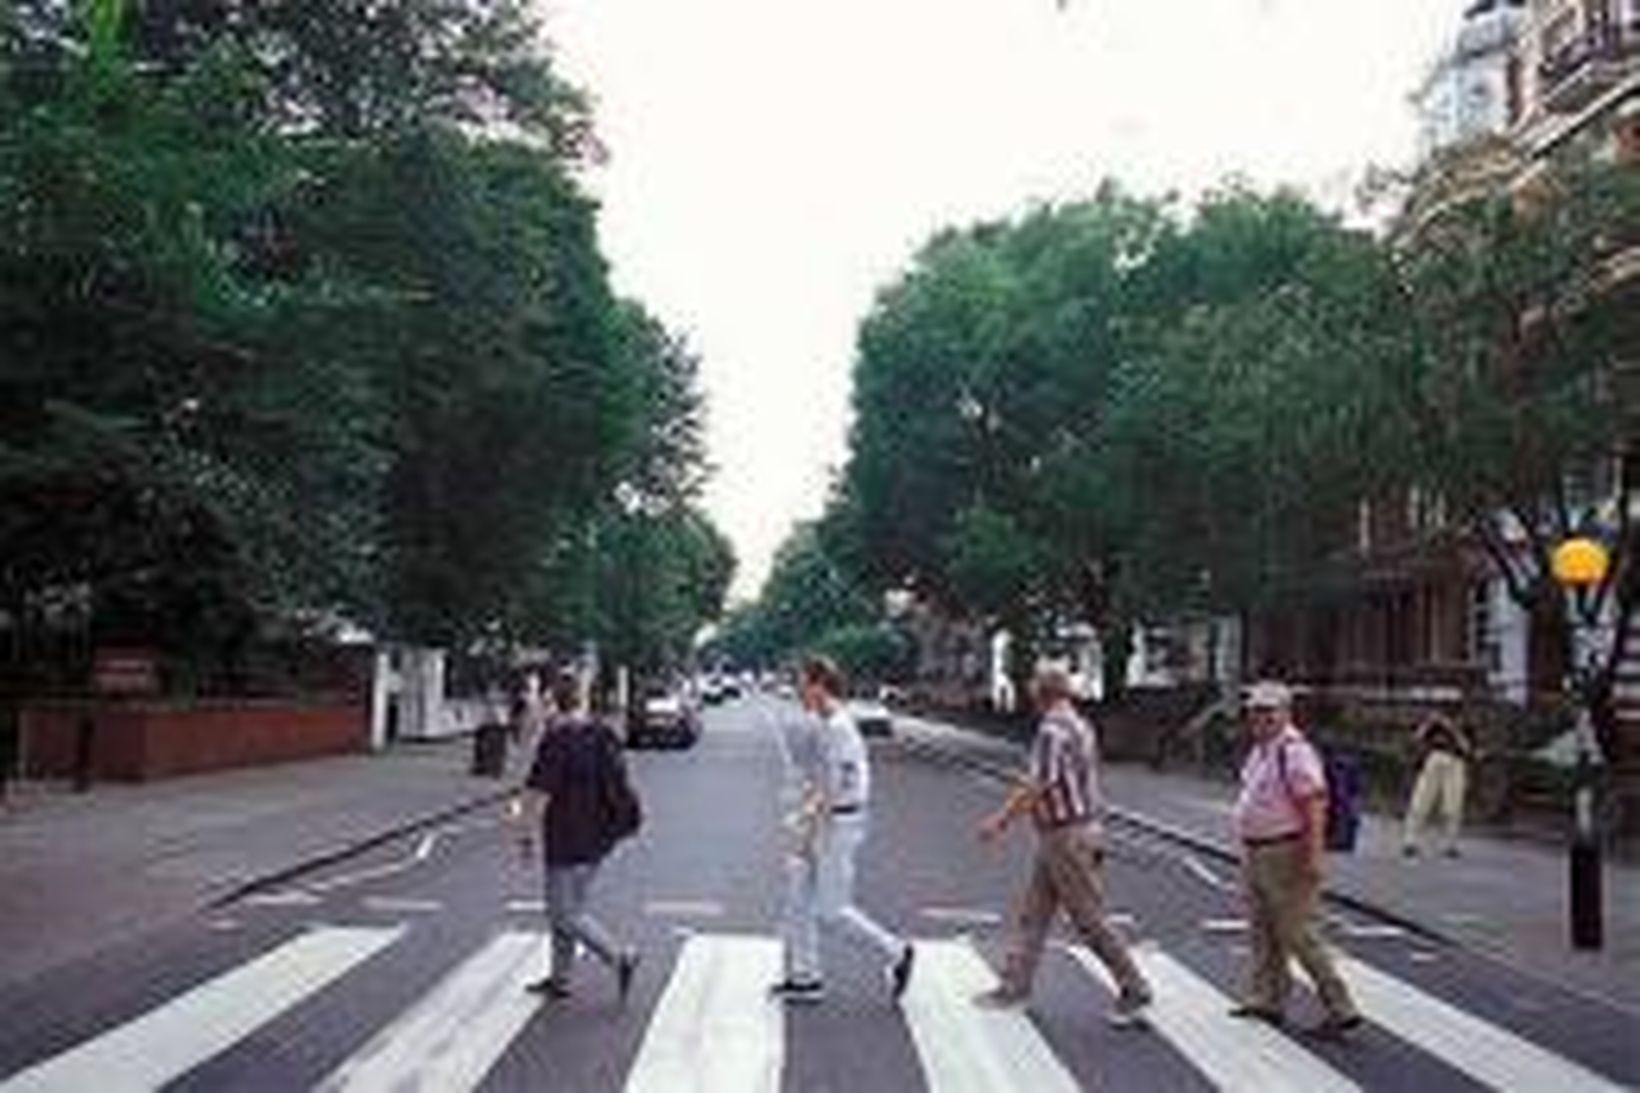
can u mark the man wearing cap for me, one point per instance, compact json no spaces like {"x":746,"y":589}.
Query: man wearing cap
{"x":1061,"y":794}
{"x":1280,"y":820}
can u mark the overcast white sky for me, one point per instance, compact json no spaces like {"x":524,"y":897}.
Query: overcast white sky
{"x":773,"y":162}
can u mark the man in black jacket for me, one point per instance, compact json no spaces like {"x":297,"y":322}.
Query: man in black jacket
{"x":564,"y":797}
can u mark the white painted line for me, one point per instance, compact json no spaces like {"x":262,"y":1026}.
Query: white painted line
{"x":423,"y":851}
{"x":961,"y":916}
{"x":715,"y":1029}
{"x":1424,"y":957}
{"x":285,"y":898}
{"x":1372,"y":931}
{"x":1230,"y":1053}
{"x":455,"y":1033}
{"x":1200,"y":871}
{"x":683,"y":908}
{"x":1125,"y":919}
{"x":1225,"y":925}
{"x":1487,"y":1053}
{"x":167,"y":1042}
{"x":965,"y":1048}
{"x":401,"y":905}
{"x":526,"y":907}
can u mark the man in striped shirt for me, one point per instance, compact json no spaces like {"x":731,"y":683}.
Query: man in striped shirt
{"x":1061,"y":794}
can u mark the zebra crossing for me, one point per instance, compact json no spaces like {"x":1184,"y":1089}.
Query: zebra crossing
{"x":713,"y":1029}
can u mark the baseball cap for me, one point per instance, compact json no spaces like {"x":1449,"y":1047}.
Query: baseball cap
{"x":1269,"y":695}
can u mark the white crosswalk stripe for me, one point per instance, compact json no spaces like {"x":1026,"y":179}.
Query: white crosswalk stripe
{"x":1491,"y":1055}
{"x":715,"y":1029}
{"x":967,"y":1049}
{"x":452,"y":1037}
{"x":169,"y":1041}
{"x":1233,"y":1054}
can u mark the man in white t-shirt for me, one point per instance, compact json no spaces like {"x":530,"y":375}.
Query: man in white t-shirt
{"x":834,"y":772}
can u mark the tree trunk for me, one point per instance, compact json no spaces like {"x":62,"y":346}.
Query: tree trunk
{"x":1115,"y":651}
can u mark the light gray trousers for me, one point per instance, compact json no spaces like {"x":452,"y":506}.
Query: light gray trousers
{"x":820,"y":895}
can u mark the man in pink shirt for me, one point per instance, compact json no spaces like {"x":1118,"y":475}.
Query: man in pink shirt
{"x":1280,"y":821}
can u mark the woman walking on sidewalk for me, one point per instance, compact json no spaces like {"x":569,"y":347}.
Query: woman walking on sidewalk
{"x":1443,"y":778}
{"x":566,"y":798}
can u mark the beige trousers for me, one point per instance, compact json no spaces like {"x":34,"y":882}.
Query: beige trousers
{"x":1068,"y":873}
{"x":1281,"y":920}
{"x":1441,"y":783}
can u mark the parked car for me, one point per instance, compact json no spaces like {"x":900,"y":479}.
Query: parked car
{"x":664,"y":717}
{"x":871,"y":717}
{"x":711,"y":690}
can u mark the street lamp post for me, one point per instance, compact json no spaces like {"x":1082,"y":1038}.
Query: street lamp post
{"x":1580,"y":565}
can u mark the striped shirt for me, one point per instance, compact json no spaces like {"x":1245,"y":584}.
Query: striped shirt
{"x":1062,"y":766}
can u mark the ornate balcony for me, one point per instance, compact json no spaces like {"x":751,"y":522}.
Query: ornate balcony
{"x":1589,"y":64}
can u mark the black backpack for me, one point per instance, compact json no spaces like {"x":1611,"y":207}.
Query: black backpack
{"x":620,"y":812}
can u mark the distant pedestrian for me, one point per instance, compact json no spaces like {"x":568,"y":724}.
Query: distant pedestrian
{"x":828,"y":827}
{"x":1443,"y":778}
{"x":578,"y":765}
{"x":1280,"y":821}
{"x":1061,"y":794}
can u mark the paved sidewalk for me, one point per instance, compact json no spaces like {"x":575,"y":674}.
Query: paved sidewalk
{"x":80,"y":871}
{"x":1504,"y":897}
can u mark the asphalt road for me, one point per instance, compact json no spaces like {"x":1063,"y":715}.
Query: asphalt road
{"x":401,"y":969}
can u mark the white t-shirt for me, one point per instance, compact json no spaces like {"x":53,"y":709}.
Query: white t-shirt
{"x":845,"y":768}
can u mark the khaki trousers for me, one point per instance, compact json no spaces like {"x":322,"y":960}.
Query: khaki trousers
{"x":1068,"y":873}
{"x":1442,"y":782}
{"x":1281,"y":921}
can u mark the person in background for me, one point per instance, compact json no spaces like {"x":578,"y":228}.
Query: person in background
{"x":1442,"y":781}
{"x":827,"y":828}
{"x":564,"y":802}
{"x":1280,"y":824}
{"x":1061,"y":794}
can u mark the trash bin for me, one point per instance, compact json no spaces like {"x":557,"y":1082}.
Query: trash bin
{"x":490,"y":751}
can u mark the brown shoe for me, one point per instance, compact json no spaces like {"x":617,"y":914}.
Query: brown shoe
{"x":1249,"y":1012}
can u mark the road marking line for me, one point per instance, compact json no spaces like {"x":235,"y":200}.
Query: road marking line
{"x":1225,"y":925}
{"x":1491,"y":1055}
{"x":287,"y":898}
{"x":1372,"y":931}
{"x":174,"y":1038}
{"x":962,"y":916}
{"x":526,"y":907}
{"x":1122,"y":918}
{"x":400,"y":904}
{"x":1232,"y":1054}
{"x":683,"y":908}
{"x":1200,"y":871}
{"x":453,"y":1035}
{"x":423,"y":851}
{"x":715,"y":1027}
{"x":968,"y":1049}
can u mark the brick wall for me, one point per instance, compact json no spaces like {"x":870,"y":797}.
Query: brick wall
{"x":136,"y":741}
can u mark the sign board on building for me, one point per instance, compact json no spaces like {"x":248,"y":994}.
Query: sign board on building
{"x":125,"y":672}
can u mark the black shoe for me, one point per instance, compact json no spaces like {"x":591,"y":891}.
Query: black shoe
{"x":899,"y":974}
{"x":1334,"y":1028}
{"x":1274,"y":1018}
{"x":798,"y":990}
{"x":625,"y":968}
{"x":549,"y":988}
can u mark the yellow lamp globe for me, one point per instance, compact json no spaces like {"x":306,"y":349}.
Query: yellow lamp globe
{"x":1580,"y":562}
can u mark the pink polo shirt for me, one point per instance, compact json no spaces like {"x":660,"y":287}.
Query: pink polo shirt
{"x":1268,"y":807}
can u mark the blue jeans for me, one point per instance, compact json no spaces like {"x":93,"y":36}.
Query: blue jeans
{"x":567,"y":887}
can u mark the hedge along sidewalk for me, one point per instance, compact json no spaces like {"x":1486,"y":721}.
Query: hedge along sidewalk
{"x":79,"y":872}
{"x":1505,"y":897}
